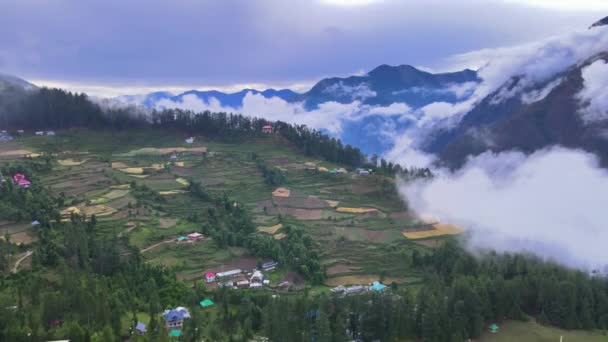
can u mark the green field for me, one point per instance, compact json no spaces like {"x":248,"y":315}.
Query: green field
{"x":534,"y":332}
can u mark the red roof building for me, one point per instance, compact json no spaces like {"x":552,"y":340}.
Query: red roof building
{"x":267,"y":129}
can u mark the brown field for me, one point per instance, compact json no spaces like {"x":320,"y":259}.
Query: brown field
{"x":23,"y":238}
{"x":243,"y":263}
{"x":439,"y":230}
{"x":167,"y":150}
{"x":341,"y":268}
{"x":303,"y":214}
{"x":167,"y":222}
{"x":281,"y":192}
{"x":270,"y":230}
{"x":182,"y":171}
{"x":362,"y":279}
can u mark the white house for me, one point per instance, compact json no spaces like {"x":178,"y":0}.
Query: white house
{"x":190,"y":140}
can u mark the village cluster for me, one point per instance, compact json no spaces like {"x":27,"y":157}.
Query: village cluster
{"x":348,"y":290}
{"x":239,"y":279}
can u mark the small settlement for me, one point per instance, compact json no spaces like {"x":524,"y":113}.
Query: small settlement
{"x":240,"y":279}
{"x":350,"y":290}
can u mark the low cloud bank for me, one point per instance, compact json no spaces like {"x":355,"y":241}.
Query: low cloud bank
{"x":551,"y":204}
{"x":594,"y":96}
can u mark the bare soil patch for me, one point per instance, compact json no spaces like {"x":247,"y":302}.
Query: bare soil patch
{"x":303,"y":214}
{"x":243,"y":263}
{"x":183,"y":171}
{"x":167,"y":222}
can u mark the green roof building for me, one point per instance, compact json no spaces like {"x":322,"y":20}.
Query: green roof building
{"x":175,"y":333}
{"x":206,"y":303}
{"x":493,"y":328}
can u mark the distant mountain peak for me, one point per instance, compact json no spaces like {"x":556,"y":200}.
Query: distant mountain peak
{"x":10,"y":80}
{"x":601,"y":22}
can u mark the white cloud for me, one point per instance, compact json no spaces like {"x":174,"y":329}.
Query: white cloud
{"x":594,"y":96}
{"x":550,"y":203}
{"x":565,"y":5}
{"x":329,"y":115}
{"x":536,"y":95}
{"x":357,"y":92}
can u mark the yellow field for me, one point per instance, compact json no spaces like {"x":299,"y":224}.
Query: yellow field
{"x":180,"y":163}
{"x":120,"y":187}
{"x":332,"y":204}
{"x":139,"y":176}
{"x":133,"y":170}
{"x":171,"y":192}
{"x":361,"y":279}
{"x":279,"y":236}
{"x":157,"y":166}
{"x":355,"y":210}
{"x":98,"y":210}
{"x":281,"y":192}
{"x":71,"y":162}
{"x":113,"y":194}
{"x":119,"y":165}
{"x":182,"y":181}
{"x":70,"y":210}
{"x":440,"y":229}
{"x":270,"y":230}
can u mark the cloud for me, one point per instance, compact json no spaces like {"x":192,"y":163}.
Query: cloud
{"x":536,"y":95}
{"x":328,"y":116}
{"x":565,"y":5}
{"x":550,"y":204}
{"x":357,"y":92}
{"x":594,"y":95}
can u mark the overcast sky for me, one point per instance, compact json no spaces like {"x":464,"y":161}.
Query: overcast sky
{"x":108,"y":47}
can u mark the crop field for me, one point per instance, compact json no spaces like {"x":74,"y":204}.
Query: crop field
{"x":359,"y":229}
{"x":532,"y":331}
{"x":433,"y":231}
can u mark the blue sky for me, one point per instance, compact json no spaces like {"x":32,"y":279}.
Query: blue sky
{"x":111,"y":47}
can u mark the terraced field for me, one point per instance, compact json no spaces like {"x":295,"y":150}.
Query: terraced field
{"x":356,"y":223}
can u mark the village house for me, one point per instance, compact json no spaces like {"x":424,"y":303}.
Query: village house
{"x":354,"y":289}
{"x":39,"y":133}
{"x":209,"y":277}
{"x":140,"y":328}
{"x":256,"y":286}
{"x":229,"y":274}
{"x":269,"y":265}
{"x":363,"y":172}
{"x":195,"y":236}
{"x":341,"y":171}
{"x":174,"y":318}
{"x":206,"y":303}
{"x":267,"y":129}
{"x":338,"y":289}
{"x":182,"y":239}
{"x":190,"y":140}
{"x":377,"y":287}
{"x":20,"y":180}
{"x":242,"y":284}
{"x":257,"y":277}
{"x":50,"y":133}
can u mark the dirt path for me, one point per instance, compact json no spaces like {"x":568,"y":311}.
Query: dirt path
{"x":18,"y":262}
{"x":156,"y":245}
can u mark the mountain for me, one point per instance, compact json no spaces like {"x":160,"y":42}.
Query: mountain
{"x":389,"y":84}
{"x":7,"y":81}
{"x":527,"y":118}
{"x":601,"y":22}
